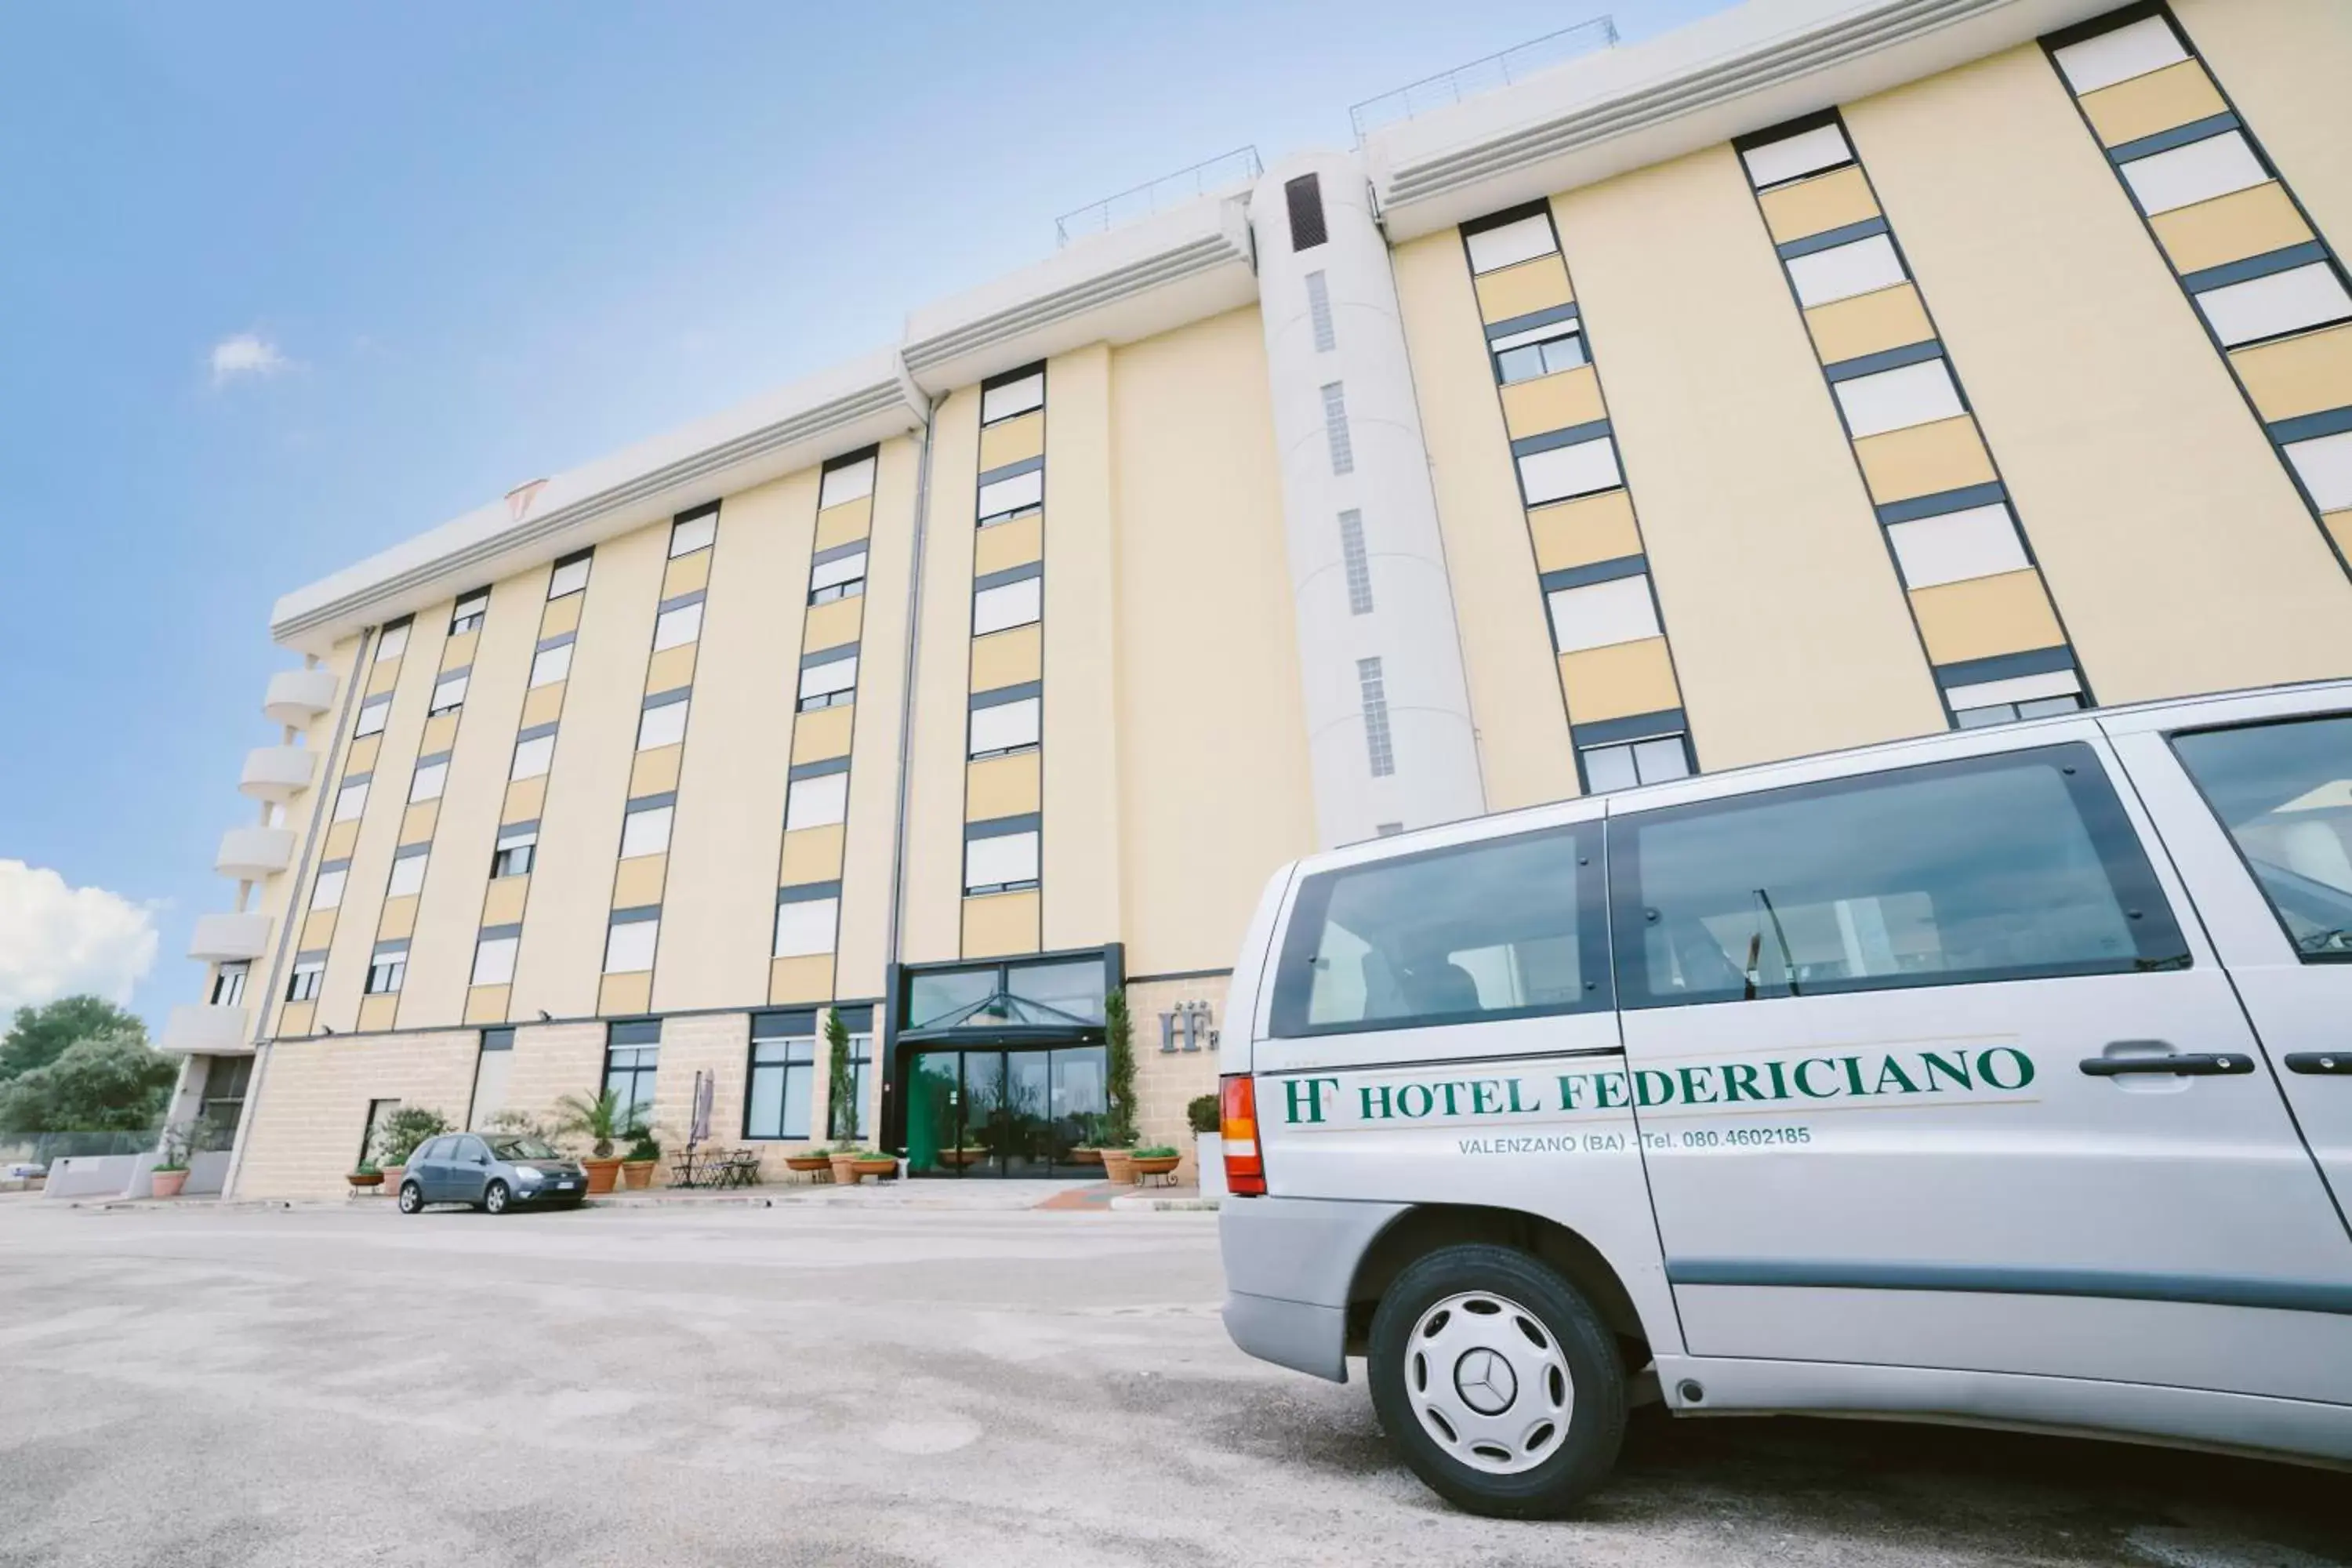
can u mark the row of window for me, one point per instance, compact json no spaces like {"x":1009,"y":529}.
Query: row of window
{"x":1002,"y":856}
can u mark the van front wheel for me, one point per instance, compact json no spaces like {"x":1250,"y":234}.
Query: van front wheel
{"x":1497,"y":1382}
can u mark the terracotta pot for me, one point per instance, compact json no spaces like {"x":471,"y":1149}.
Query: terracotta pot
{"x":1156,"y":1164}
{"x":881,"y":1170}
{"x":1086,"y":1156}
{"x":807,"y":1163}
{"x":959,"y":1158}
{"x":601,"y":1174}
{"x":1120,"y":1166}
{"x":639,"y":1173}
{"x":844,"y":1171}
{"x":169,"y":1183}
{"x":363,"y":1179}
{"x":392,"y":1174}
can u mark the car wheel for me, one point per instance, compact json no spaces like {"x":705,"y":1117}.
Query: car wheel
{"x":494,"y":1198}
{"x":1497,"y":1382}
{"x":412,"y":1198}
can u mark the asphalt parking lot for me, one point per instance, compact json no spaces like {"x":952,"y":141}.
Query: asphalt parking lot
{"x":810,"y":1384}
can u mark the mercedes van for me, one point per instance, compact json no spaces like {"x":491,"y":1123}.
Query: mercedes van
{"x":2003,"y":1077}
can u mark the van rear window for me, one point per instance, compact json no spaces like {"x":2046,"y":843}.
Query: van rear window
{"x":1505,"y":927}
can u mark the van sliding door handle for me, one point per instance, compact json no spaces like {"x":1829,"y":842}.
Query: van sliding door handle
{"x":2326,"y":1064}
{"x":2184,"y":1064}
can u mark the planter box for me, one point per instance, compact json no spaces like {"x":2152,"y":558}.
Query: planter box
{"x":639,"y":1173}
{"x":601,"y":1174}
{"x":1120,"y":1166}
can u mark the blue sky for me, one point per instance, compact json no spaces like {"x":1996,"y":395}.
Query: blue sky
{"x":440,"y":249}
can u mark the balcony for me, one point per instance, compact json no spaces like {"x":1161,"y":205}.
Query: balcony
{"x":277,"y":772}
{"x":199,"y":1028}
{"x":249,"y":854}
{"x":225,"y":938}
{"x":297,"y":696}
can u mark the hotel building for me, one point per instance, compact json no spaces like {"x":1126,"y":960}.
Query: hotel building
{"x":1823,"y":373}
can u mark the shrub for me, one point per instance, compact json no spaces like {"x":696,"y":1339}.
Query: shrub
{"x":1118,"y":1126}
{"x":397,"y":1136}
{"x":1202,"y":1111}
{"x":644,"y":1145}
{"x":600,"y":1121}
{"x":1157,"y":1152}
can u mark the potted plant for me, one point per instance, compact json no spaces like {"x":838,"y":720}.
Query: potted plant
{"x":366,"y":1177}
{"x":600,"y":1121}
{"x":637,"y":1165}
{"x":1118,"y":1119}
{"x":171,"y":1172}
{"x":809,"y":1162}
{"x":875,"y":1162}
{"x":397,"y":1136}
{"x":1156,"y":1159}
{"x":846,"y":1161}
{"x":1209,"y":1148}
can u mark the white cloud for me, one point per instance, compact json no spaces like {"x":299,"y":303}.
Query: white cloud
{"x":246,"y":353}
{"x":60,"y":940}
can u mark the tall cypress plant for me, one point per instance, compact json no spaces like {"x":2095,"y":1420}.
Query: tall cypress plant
{"x":1119,"y":1030}
{"x":841,"y":1087}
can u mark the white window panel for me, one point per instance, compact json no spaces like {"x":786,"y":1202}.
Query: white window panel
{"x":1011,"y":495}
{"x":1007,"y":605}
{"x":407,"y":876}
{"x":2326,"y":465}
{"x":449,"y":693}
{"x":2016,"y":689}
{"x":569,"y":578}
{"x":1542,"y":334}
{"x":551,"y":665}
{"x":2283,"y":302}
{"x":1007,"y":857}
{"x":374,"y":714}
{"x":676,"y":629}
{"x":818,"y":801}
{"x":393,"y":644}
{"x":2197,"y":173}
{"x":695,"y":533}
{"x":1806,"y":152}
{"x":1512,"y":243}
{"x":1899,"y":399}
{"x":662,"y":726}
{"x":805,"y":928}
{"x":1843,"y":271}
{"x":1957,"y":546}
{"x":1600,"y":614}
{"x":825,"y":680}
{"x":842,"y":569}
{"x":1005,"y":725}
{"x":2143,"y":47}
{"x":350,"y":801}
{"x":629,"y":946}
{"x":849,"y":482}
{"x":1565,"y":471}
{"x":646,"y":832}
{"x":427,"y":782}
{"x":494,"y":960}
{"x":1012,"y":397}
{"x":326,"y":892}
{"x":532,"y":757}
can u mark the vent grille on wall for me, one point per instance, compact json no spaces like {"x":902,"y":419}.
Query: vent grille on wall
{"x":1305,"y":196}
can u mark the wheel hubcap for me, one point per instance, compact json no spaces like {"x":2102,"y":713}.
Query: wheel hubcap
{"x":1488,"y":1383}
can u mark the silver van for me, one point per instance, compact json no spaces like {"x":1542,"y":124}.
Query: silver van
{"x":2003,"y":1077}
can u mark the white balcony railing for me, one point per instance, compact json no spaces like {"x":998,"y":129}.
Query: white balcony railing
{"x":249,"y":854}
{"x":200,"y":1028}
{"x":225,"y":938}
{"x":297,"y":696}
{"x":277,"y":772}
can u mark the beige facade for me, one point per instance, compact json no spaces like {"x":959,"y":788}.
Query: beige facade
{"x":1914,"y":386}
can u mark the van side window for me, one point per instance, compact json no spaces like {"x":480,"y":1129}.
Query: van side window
{"x":1508,"y":928}
{"x":2012,"y":866}
{"x":2284,"y":792}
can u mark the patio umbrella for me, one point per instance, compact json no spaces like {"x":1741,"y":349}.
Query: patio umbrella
{"x":704,"y":1084}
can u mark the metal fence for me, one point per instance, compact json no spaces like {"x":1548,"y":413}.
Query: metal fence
{"x":1515,"y":64}
{"x":42,"y":1148}
{"x":1228,"y":170}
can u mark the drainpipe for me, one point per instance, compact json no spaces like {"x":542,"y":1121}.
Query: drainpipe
{"x":887,"y":1046}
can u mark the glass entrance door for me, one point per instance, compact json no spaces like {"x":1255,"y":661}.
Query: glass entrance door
{"x":991,"y":1112}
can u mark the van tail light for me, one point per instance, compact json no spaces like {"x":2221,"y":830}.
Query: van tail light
{"x":1237,"y":1126}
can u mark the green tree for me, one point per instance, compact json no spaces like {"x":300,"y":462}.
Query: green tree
{"x":840,"y":1084}
{"x":41,"y":1035}
{"x":112,"y":1084}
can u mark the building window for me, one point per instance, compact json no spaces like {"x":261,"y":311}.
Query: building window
{"x":1622,"y":766}
{"x":2273,"y":306}
{"x":688,"y":535}
{"x":1013,"y":496}
{"x":379,"y":1111}
{"x":1844,"y":271}
{"x":374,"y":714}
{"x":631,"y":1058}
{"x":351,"y":799}
{"x":1318,"y":314}
{"x":1536,"y":352}
{"x":1012,"y":399}
{"x":302,"y":985}
{"x":1000,"y":862}
{"x":428,"y":781}
{"x":533,"y":755}
{"x":644,"y":830}
{"x":1008,"y":604}
{"x":1335,"y":429}
{"x":661,"y":725}
{"x":326,"y":892}
{"x":1002,"y":727}
{"x":517,"y":852}
{"x":1508,"y":244}
{"x":859,"y":1022}
{"x":550,"y":664}
{"x":784,"y":1076}
{"x":2324,"y":464}
{"x":2120,"y":54}
{"x":491,"y":1065}
{"x":494,"y":960}
{"x":1955,"y":546}
{"x":1358,"y":564}
{"x":1580,"y":468}
{"x":407,"y":875}
{"x":393,"y":644}
{"x":847,"y":482}
{"x":830,"y":684}
{"x":385,"y":971}
{"x":1377,"y":740}
{"x":1898,"y":399}
{"x":842,"y":577}
{"x":1601,"y":615}
{"x":448,"y":694}
{"x":1777,"y":162}
{"x":471,"y":611}
{"x":228,"y":984}
{"x":629,"y":943}
{"x":2183,"y":176}
{"x":805,"y":926}
{"x":677,"y":627}
{"x":2038,"y":696}
{"x":818,"y":801}
{"x":570,"y":574}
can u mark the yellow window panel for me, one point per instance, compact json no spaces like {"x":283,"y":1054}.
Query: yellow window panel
{"x":654,"y":772}
{"x":840,"y":525}
{"x":399,"y":919}
{"x":487,"y":1003}
{"x":670,"y":668}
{"x":340,"y":837}
{"x":1868,"y":324}
{"x":637,"y":881}
{"x":318,"y":931}
{"x":361,"y":757}
{"x":295,"y":1020}
{"x":459,"y":651}
{"x":2339,"y":529}
{"x":1924,"y":460}
{"x":2252,"y":222}
{"x":561,"y":615}
{"x":525,"y":797}
{"x":2146,"y":104}
{"x":1553,"y":402}
{"x":804,"y":979}
{"x":1818,"y":204}
{"x":822,"y":733}
{"x":383,"y":675}
{"x":502,"y":904}
{"x":1579,"y":532}
{"x":831,"y":625}
{"x":995,"y":924}
{"x":625,"y":994}
{"x":1618,"y":681}
{"x":811,"y":855}
{"x":542,"y":704}
{"x":1013,"y":440}
{"x":687,"y":574}
{"x":1986,"y":617}
{"x":1003,"y":544}
{"x":376,"y":1012}
{"x":1531,"y":286}
{"x":1002,"y":786}
{"x":417,"y":824}
{"x":440,"y":733}
{"x":1008,"y":657}
{"x":2300,"y":375}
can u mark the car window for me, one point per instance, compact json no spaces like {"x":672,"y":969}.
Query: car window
{"x":2284,"y":792}
{"x":428,"y":1152}
{"x":2017,"y":866}
{"x":1500,"y":928}
{"x":470,"y":1150}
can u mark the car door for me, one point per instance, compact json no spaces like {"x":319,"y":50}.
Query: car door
{"x":468,"y":1170}
{"x":426,"y":1167}
{"x":2253,"y":798}
{"x":1890,"y":1026}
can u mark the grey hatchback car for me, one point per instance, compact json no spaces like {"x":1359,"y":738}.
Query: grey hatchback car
{"x":493,"y":1172}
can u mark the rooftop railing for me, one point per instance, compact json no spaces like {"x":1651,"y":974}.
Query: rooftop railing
{"x":1226,"y":170}
{"x":1513,"y":65}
